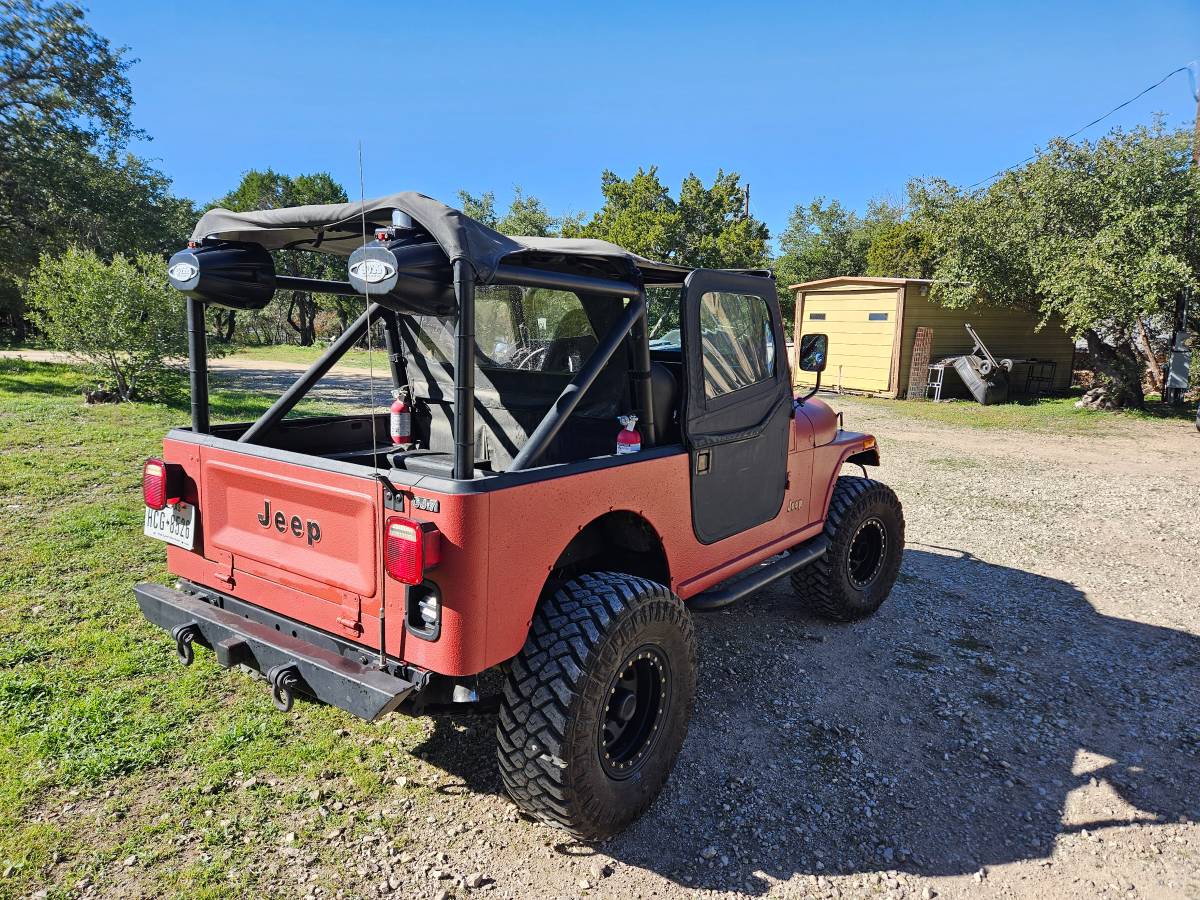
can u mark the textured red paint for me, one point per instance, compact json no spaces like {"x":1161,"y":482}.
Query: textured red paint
{"x":497,"y":547}
{"x":822,"y":418}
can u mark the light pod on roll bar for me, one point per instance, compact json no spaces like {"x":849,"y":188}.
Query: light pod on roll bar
{"x":373,"y":269}
{"x":235,"y":275}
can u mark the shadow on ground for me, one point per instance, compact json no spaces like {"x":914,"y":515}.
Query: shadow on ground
{"x":945,"y":734}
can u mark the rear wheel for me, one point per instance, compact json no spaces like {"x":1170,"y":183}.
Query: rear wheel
{"x":865,"y":528}
{"x":597,"y":703}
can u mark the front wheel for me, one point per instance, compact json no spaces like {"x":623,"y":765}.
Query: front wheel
{"x":865,"y":528}
{"x":597,"y":703}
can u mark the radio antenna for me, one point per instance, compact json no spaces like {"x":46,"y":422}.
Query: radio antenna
{"x":362,"y":200}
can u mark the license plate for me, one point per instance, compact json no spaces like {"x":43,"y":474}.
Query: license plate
{"x":174,"y":524}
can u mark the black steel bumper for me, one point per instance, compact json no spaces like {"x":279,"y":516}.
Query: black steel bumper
{"x":291,"y":663}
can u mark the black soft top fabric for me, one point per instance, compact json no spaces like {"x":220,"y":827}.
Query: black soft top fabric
{"x":337,"y":228}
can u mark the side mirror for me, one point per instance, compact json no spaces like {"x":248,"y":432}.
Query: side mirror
{"x":813,"y":352}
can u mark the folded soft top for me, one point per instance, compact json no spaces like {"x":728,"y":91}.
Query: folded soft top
{"x":338,"y":228}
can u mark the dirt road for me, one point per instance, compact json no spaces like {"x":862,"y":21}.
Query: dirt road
{"x":343,"y":384}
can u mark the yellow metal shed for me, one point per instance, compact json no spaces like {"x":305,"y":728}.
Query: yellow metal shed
{"x":872,"y":326}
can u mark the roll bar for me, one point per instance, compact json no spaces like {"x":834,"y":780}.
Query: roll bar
{"x":562,"y":408}
{"x":198,"y":365}
{"x":633,"y":321}
{"x":315,"y":372}
{"x":464,"y":371}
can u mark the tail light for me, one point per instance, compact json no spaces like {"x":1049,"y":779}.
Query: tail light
{"x":162,"y":483}
{"x":410,"y":547}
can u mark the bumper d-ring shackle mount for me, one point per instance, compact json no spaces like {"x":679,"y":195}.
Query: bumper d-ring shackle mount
{"x":185,"y":635}
{"x":284,"y":679}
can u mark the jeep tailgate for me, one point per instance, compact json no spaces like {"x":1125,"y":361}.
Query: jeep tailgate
{"x":312,"y":530}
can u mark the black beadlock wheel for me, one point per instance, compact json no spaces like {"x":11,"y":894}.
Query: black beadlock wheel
{"x":596,"y":705}
{"x":865,"y":528}
{"x":637,"y":703}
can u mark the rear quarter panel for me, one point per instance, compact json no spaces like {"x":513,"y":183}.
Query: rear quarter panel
{"x":469,"y":610}
{"x":531,"y":524}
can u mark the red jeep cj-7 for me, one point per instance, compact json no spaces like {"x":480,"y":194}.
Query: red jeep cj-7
{"x":499,"y":517}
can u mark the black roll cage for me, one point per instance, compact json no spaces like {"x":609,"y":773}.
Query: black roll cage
{"x":632,"y":322}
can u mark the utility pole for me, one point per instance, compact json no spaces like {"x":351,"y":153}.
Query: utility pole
{"x":1179,"y":363}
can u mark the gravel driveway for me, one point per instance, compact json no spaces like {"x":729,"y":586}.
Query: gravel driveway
{"x":1022,"y":718}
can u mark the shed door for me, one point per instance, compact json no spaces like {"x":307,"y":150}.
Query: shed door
{"x":861,"y":325}
{"x":739,"y":401}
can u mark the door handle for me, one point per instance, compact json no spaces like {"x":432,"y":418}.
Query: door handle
{"x":703,"y":462}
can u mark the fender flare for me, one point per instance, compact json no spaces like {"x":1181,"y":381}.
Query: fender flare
{"x":597,"y":537}
{"x":852,"y":453}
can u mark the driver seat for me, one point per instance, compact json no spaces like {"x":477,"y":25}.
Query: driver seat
{"x":664,"y":395}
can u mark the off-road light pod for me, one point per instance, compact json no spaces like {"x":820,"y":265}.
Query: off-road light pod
{"x":409,"y":548}
{"x":373,"y":269}
{"x":238,"y":276}
{"x":162,"y":483}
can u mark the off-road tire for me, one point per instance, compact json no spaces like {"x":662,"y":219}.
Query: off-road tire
{"x":555,"y":713}
{"x":832,"y":586}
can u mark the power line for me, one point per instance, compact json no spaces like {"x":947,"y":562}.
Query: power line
{"x":1159,"y":83}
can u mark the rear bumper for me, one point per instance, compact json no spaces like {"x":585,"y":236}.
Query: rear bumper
{"x":317,"y":671}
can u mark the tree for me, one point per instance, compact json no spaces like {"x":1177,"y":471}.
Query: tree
{"x":713,"y":231}
{"x":120,"y":319}
{"x":638,"y":214}
{"x":901,"y":250}
{"x":527,"y":216}
{"x":53,"y":193}
{"x":821,"y":240}
{"x":705,"y":227}
{"x":825,"y":240}
{"x":56,"y":71}
{"x":64,"y":119}
{"x":1094,"y":234}
{"x":482,"y":208}
{"x":270,"y":190}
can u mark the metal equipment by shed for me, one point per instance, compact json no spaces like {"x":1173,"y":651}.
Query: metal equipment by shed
{"x":886,"y":334}
{"x":987,"y":378}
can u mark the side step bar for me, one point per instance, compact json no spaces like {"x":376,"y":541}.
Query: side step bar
{"x":760,"y":576}
{"x":291,"y":664}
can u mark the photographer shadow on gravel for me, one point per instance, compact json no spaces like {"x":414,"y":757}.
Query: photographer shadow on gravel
{"x":984,"y":713}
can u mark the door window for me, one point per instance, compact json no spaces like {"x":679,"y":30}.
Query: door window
{"x":736,"y":341}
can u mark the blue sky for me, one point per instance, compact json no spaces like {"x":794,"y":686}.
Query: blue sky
{"x":845,"y":100}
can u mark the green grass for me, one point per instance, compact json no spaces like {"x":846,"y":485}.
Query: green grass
{"x":1057,"y":414}
{"x":94,"y":711}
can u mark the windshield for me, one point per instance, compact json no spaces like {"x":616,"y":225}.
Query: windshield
{"x":667,"y":341}
{"x":533,"y":329}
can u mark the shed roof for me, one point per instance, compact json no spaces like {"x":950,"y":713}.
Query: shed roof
{"x":857,"y":279}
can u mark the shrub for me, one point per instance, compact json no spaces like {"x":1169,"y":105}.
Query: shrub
{"x":120,"y":318}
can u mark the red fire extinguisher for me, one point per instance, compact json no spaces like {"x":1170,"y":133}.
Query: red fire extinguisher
{"x":628,"y":440}
{"x":401,"y":418}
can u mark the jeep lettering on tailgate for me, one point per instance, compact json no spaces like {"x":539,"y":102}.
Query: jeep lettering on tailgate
{"x":283,"y":524}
